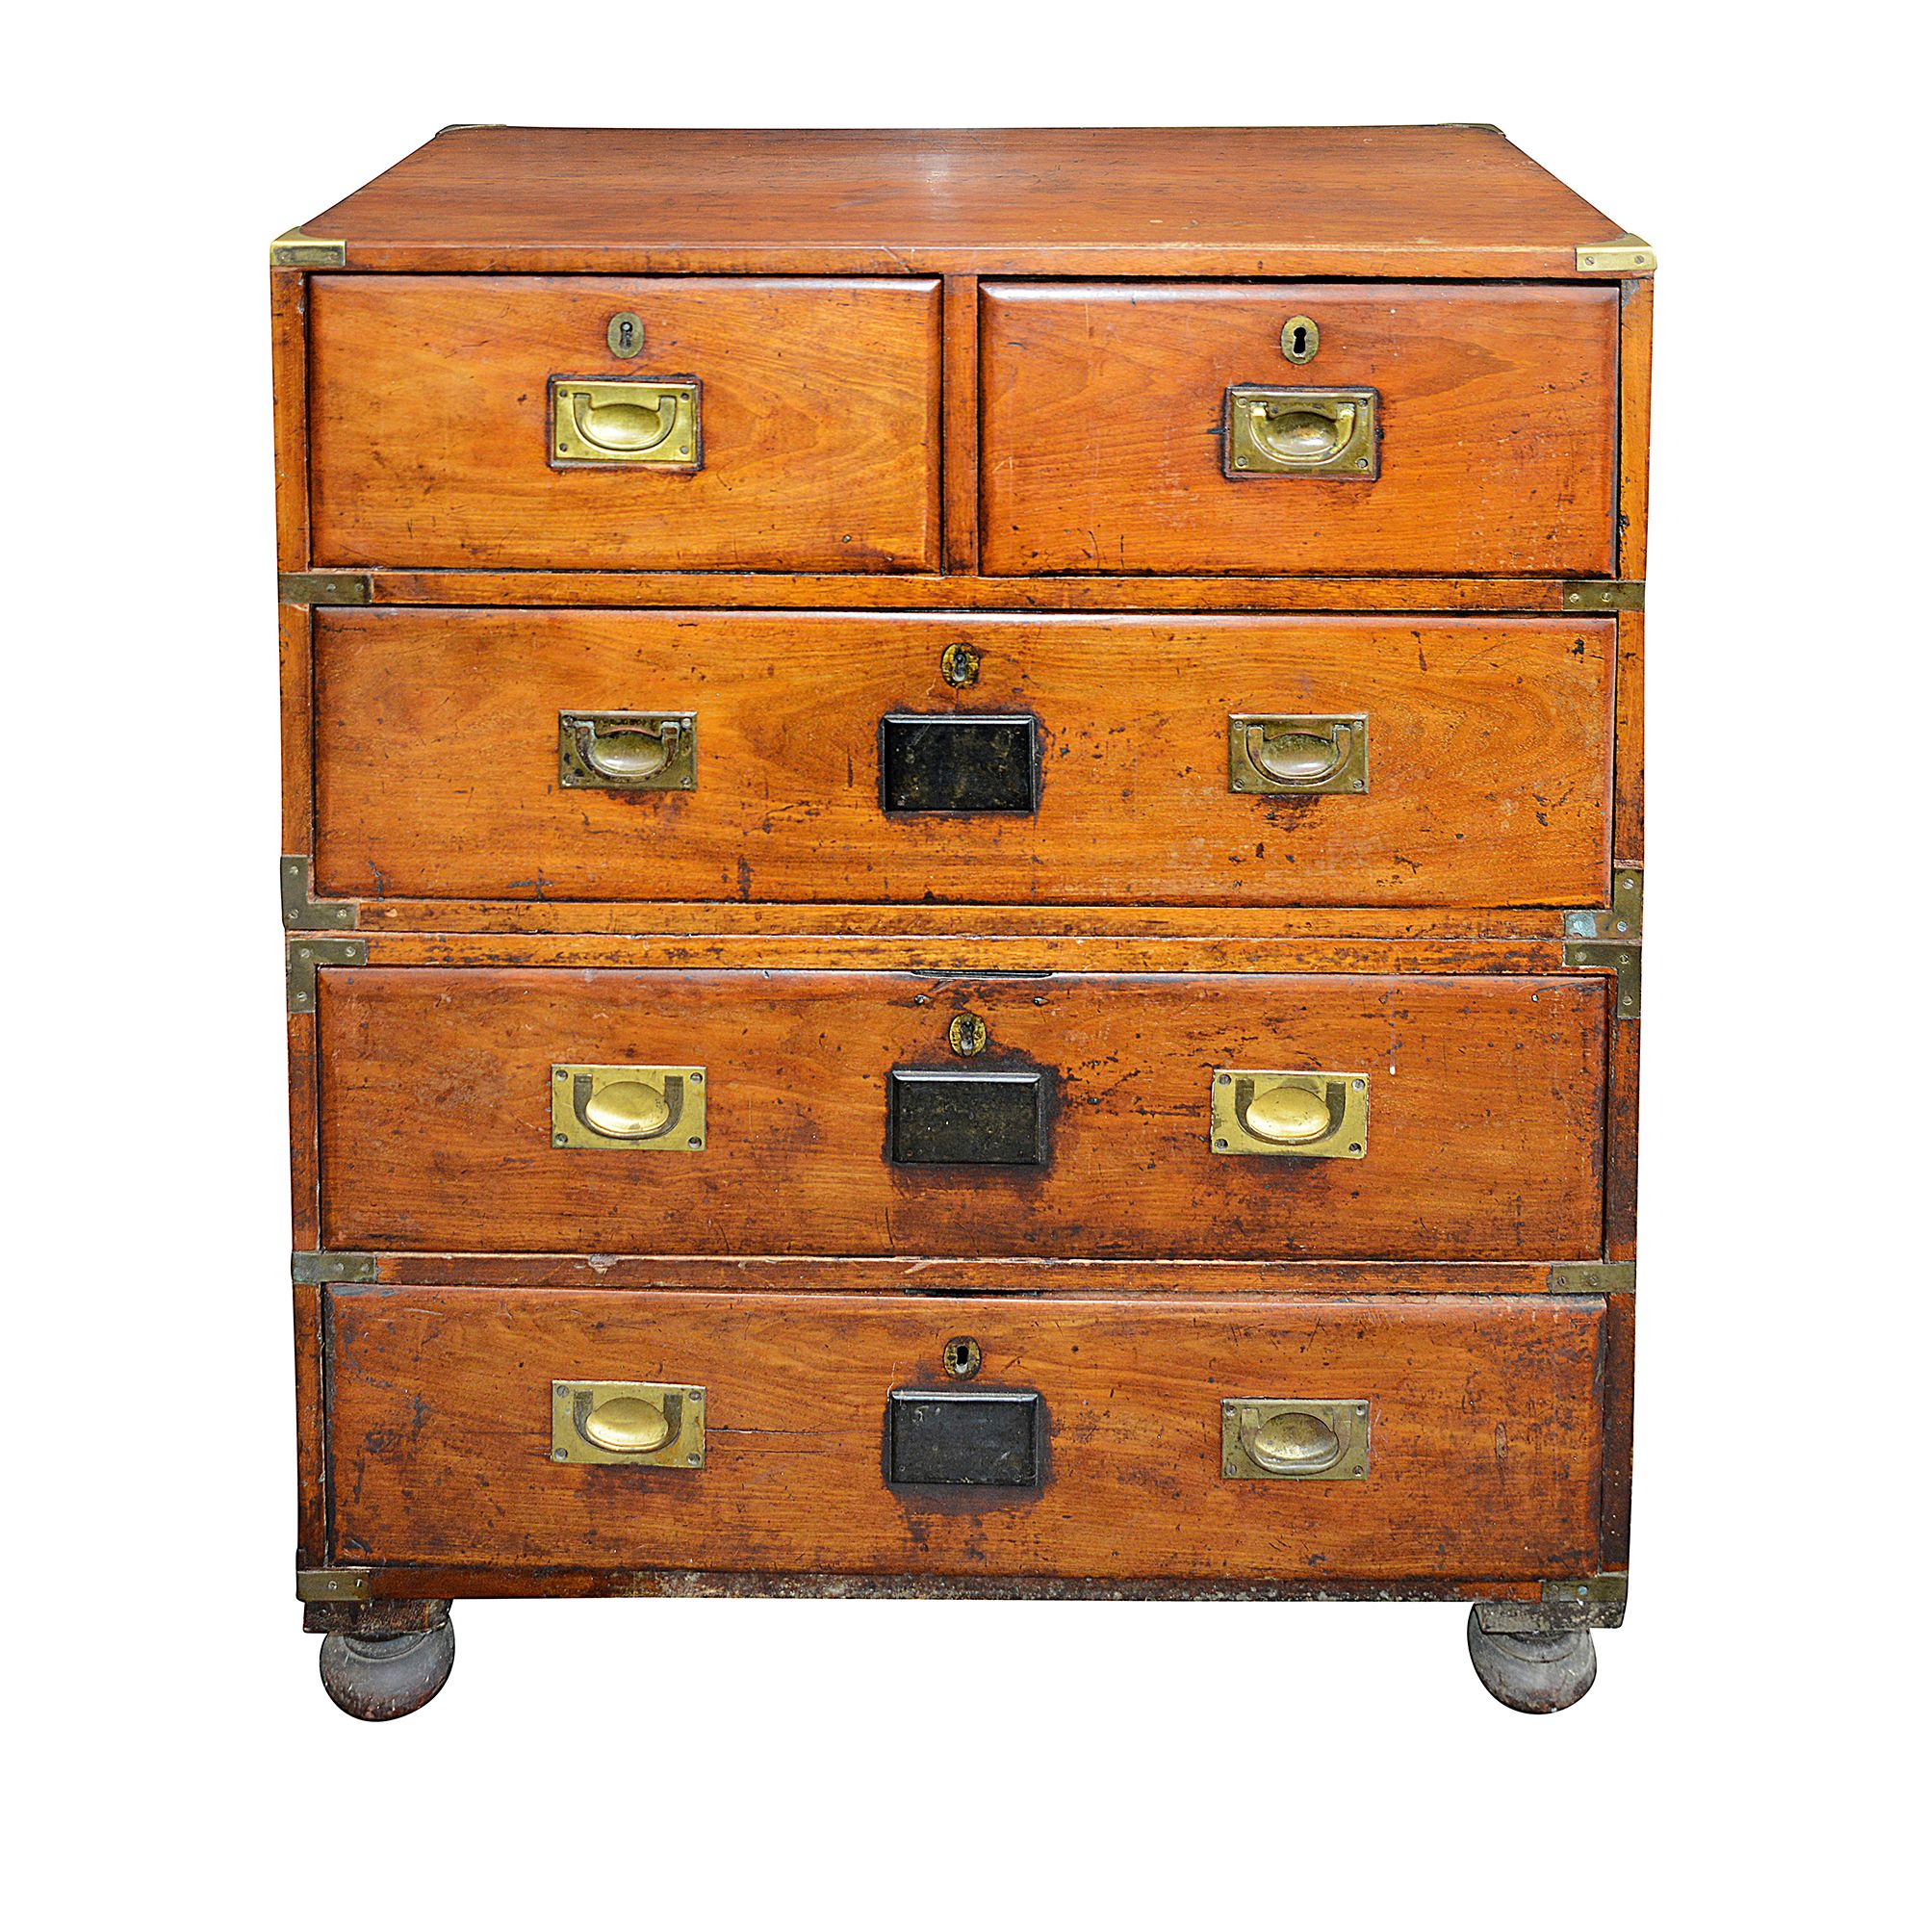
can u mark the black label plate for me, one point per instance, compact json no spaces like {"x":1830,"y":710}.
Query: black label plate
{"x":993,"y":1119}
{"x":959,"y":763}
{"x":989,"y":1439}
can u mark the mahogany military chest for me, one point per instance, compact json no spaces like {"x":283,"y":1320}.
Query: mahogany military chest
{"x":963,"y":873}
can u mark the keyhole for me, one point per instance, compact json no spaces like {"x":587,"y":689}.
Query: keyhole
{"x":1299,"y":339}
{"x":625,"y":334}
{"x":629,"y":336}
{"x":1299,"y":335}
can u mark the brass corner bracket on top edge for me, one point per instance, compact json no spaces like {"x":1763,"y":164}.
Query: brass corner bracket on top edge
{"x":1628,"y":255}
{"x":298,"y":251}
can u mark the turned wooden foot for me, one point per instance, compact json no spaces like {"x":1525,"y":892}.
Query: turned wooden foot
{"x":376,"y":1678}
{"x":1536,"y":1671}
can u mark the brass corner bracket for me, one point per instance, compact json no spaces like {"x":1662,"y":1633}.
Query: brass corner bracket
{"x":297,"y":251}
{"x":326,"y":586}
{"x":1592,"y":1278}
{"x":1603,"y":593}
{"x":1565,"y":1603}
{"x":322,"y":1267}
{"x":305,"y":955}
{"x":1628,"y":255}
{"x":300,"y":911}
{"x":1613,"y":940}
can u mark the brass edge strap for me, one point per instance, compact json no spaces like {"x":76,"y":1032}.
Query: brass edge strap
{"x":326,"y":586}
{"x":1592,"y":1278}
{"x":317,"y":1267}
{"x":1603,"y":593}
{"x":300,"y":911}
{"x":305,"y":955}
{"x":332,"y":1586}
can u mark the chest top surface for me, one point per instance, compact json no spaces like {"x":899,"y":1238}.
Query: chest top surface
{"x":1455,"y":201}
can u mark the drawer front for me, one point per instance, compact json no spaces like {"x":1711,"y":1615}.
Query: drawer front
{"x":813,"y":406}
{"x":1482,"y":437}
{"x":1084,"y":1117}
{"x":1439,"y":762}
{"x":1468,"y":1430}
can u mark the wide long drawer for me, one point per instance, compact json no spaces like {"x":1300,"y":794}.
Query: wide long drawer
{"x":793,"y":757}
{"x":1456,"y":1438}
{"x":1206,"y":1116}
{"x":739,"y":422}
{"x":1299,"y":428}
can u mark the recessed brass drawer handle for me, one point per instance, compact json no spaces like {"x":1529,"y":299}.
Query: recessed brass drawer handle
{"x":1313,"y":1115}
{"x":622,"y":420}
{"x":1330,"y":432}
{"x":644,"y":1109}
{"x":1285,"y":1440}
{"x":1301,"y":756}
{"x":659,"y":1423}
{"x":628,"y":751}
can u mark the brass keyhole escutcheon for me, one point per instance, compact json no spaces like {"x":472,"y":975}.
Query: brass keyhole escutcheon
{"x":968,"y":1035}
{"x":625,"y":334}
{"x":962,"y":1356}
{"x":961,"y":666}
{"x":1299,"y":339}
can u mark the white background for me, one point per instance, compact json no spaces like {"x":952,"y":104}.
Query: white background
{"x":939,"y":1764}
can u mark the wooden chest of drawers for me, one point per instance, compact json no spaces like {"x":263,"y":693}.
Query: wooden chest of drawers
{"x":964,"y":876}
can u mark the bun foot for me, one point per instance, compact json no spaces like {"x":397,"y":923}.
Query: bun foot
{"x":1533,"y":1672}
{"x":376,"y":1677}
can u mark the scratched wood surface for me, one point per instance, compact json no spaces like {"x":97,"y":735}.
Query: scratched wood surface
{"x":436,"y":769}
{"x":428,"y":401}
{"x":1269,"y":200}
{"x":1103,"y":447}
{"x":1485,"y":1434}
{"x":1486,"y":1114}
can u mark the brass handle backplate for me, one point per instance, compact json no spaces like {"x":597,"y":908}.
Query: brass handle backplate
{"x":1299,"y":432}
{"x":1312,"y":1116}
{"x":659,"y":1424}
{"x":1299,"y":757}
{"x":628,"y":751}
{"x":616,"y":422}
{"x":629,"y":1109}
{"x":1281,"y":1440}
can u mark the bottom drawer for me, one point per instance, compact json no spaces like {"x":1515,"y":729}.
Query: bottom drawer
{"x":1452,"y":1437}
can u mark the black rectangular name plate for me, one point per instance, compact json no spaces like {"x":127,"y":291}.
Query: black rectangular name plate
{"x":959,"y":763}
{"x":981,"y":1119}
{"x":986,"y":1440}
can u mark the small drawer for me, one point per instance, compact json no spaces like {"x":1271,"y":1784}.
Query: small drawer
{"x":1299,"y":428}
{"x":583,"y":422}
{"x":783,"y":758}
{"x":1212,"y":1117}
{"x":1454,"y":1438}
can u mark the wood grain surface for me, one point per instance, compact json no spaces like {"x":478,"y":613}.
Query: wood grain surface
{"x":820,"y":405}
{"x":1269,"y":200}
{"x":435,"y":742}
{"x":1485,"y":1434}
{"x":1485,"y":1137}
{"x":1102,"y":429}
